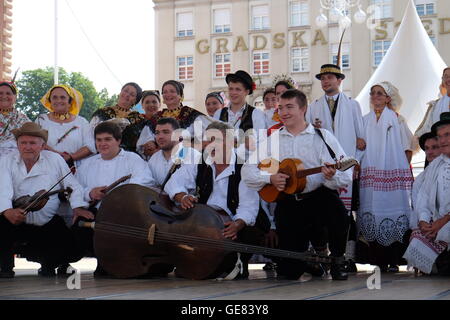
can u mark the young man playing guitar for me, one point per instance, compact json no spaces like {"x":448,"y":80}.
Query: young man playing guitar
{"x":298,"y":215}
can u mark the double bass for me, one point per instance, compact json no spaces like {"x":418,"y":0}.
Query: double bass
{"x":139,"y":231}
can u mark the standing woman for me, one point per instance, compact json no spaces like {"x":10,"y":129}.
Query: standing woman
{"x":69,"y":134}
{"x":173,"y":95}
{"x":122,"y":114}
{"x":10,"y":118}
{"x":386,"y":181}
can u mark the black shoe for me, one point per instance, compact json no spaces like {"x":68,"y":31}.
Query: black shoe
{"x":7,"y":274}
{"x":100,"y":272}
{"x":270,"y":266}
{"x":338,"y":272}
{"x":350,"y":266}
{"x":46,"y":271}
{"x":393,"y":268}
{"x":62,"y":269}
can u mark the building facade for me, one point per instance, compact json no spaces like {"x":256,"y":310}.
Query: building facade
{"x":199,"y":41}
{"x":5,"y":39}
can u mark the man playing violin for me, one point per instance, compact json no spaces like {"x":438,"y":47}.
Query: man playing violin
{"x":299,"y":216}
{"x":48,"y":240}
{"x":216,"y":181}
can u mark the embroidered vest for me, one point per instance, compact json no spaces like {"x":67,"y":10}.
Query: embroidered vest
{"x":246,"y":120}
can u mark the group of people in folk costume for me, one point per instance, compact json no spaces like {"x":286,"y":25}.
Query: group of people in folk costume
{"x":375,"y":213}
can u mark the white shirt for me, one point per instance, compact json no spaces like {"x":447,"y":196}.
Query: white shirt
{"x":433,"y":201}
{"x":306,"y":146}
{"x":159,"y":166}
{"x":195,"y":130}
{"x":184,"y":180}
{"x":96,"y":172}
{"x":16,"y":182}
{"x":79,"y":136}
{"x":234,"y":119}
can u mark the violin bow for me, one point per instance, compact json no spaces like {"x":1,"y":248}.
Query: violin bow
{"x":39,"y":198}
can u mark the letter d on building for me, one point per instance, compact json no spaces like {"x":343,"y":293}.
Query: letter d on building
{"x":73,"y":281}
{"x":374,"y":281}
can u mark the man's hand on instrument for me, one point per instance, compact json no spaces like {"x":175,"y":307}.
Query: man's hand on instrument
{"x":81,"y":212}
{"x":232,"y":228}
{"x":271,"y":239}
{"x":15,"y":216}
{"x":328,"y":171}
{"x":360,"y":144}
{"x":97,"y":193}
{"x":185,"y":200}
{"x":279,"y":181}
{"x":424,"y":227}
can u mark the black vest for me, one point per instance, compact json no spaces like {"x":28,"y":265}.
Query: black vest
{"x":205,"y":181}
{"x":246,"y":120}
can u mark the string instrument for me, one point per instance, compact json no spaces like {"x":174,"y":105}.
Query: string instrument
{"x":25,"y":201}
{"x":138,"y":230}
{"x":93,"y":203}
{"x":297,"y":175}
{"x":37,"y":201}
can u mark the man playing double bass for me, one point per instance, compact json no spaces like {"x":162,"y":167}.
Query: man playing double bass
{"x":103,"y":169}
{"x":216,"y":181}
{"x":298,"y":216}
{"x":32,"y":169}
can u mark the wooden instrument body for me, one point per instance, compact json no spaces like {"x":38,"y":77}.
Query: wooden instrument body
{"x":294,"y":184}
{"x":138,"y":207}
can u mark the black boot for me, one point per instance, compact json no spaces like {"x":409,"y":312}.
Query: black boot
{"x":337,"y":270}
{"x":7,"y":273}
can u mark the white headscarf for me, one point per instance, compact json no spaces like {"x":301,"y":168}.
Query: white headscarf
{"x":393,"y":93}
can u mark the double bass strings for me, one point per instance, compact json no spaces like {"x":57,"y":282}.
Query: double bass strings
{"x":142,"y":233}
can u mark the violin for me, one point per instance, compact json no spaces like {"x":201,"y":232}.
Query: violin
{"x":93,"y":203}
{"x":38,"y":201}
{"x":297,"y":173}
{"x":40,"y":198}
{"x":139,"y":231}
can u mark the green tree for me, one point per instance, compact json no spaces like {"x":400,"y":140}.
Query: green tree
{"x":33,"y":85}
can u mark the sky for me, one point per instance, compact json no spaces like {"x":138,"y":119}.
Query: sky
{"x":110,"y":41}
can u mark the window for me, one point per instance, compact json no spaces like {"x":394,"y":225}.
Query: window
{"x":260,"y":17}
{"x":300,"y":59}
{"x":185,"y":24}
{"x":222,"y":63}
{"x":385,"y":7}
{"x":299,"y":13}
{"x":425,"y":7}
{"x":345,"y":54}
{"x":222,"y":21}
{"x":379,"y":50}
{"x":433,"y":39}
{"x":261,"y":62}
{"x":185,"y":68}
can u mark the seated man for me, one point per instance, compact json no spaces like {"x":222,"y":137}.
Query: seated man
{"x":101,"y":170}
{"x":48,"y":240}
{"x":172,"y":153}
{"x":217,"y":182}
{"x":430,"y":243}
{"x":299,"y":216}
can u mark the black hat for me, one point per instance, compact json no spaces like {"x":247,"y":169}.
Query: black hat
{"x":423,"y":138}
{"x":444,"y":119}
{"x":330,"y":68}
{"x":243,"y":77}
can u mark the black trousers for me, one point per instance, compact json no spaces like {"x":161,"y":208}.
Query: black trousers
{"x":298,"y":222}
{"x":51,"y":244}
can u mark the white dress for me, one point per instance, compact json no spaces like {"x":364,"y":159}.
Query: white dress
{"x":386,"y":180}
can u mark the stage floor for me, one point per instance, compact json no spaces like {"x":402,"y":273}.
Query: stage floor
{"x":261,"y":285}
